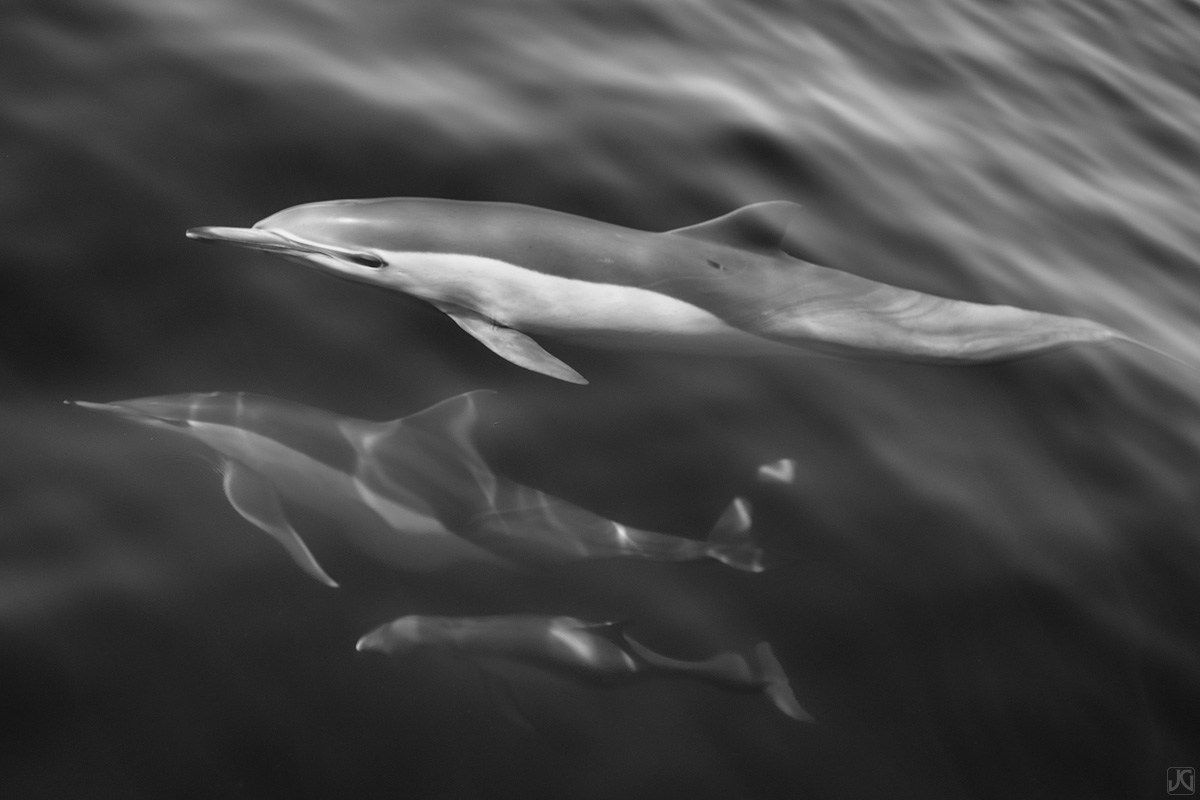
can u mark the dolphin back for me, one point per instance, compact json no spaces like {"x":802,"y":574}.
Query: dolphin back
{"x":796,"y":302}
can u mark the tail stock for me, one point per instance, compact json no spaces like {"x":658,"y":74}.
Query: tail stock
{"x":756,"y":671}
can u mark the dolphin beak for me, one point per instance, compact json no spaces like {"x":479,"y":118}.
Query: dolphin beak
{"x":245,"y":237}
{"x":119,"y":409}
{"x":112,"y":408}
{"x":260,"y":239}
{"x":130,"y":411}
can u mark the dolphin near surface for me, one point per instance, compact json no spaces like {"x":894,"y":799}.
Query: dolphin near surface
{"x":596,"y":651}
{"x":414,"y":492}
{"x":508,"y":273}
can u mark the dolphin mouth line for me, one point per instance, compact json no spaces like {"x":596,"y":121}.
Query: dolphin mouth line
{"x":125,"y":412}
{"x":276,"y":242}
{"x":108,"y":408}
{"x":247,"y":237}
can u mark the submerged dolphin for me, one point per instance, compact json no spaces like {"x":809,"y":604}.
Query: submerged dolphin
{"x":506,"y":273}
{"x":599,"y":652}
{"x":413,"y":492}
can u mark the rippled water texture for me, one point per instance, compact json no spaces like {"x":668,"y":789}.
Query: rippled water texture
{"x":983,"y":582}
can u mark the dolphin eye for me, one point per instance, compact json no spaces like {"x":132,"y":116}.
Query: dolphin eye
{"x":366,"y":260}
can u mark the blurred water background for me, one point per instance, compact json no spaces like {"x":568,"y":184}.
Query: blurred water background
{"x":985,"y":580}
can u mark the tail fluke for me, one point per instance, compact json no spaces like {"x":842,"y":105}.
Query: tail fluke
{"x":730,"y":542}
{"x":776,"y":686}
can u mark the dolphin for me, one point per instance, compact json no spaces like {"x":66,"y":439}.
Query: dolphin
{"x":412,"y":492}
{"x":597,"y":651}
{"x":508,"y":273}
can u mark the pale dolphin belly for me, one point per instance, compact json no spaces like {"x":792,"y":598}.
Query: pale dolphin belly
{"x":575,"y":310}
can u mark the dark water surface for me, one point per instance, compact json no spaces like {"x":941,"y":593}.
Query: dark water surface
{"x":985,"y":580}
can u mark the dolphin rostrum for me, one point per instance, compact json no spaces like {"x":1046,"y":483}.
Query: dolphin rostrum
{"x":506,"y":273}
{"x":596,"y":651}
{"x":413,"y":492}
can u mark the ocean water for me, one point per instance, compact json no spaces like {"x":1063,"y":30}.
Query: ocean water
{"x":984,"y":582}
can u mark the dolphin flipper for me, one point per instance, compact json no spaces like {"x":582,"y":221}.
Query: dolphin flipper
{"x":511,"y":344}
{"x":253,"y":497}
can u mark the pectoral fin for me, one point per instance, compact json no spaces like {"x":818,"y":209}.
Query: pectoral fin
{"x":254,"y":498}
{"x":512,"y":345}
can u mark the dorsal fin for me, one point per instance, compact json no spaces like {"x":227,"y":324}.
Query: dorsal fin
{"x":759,"y":227}
{"x":453,"y":416}
{"x":437,"y":442}
{"x":452,"y":419}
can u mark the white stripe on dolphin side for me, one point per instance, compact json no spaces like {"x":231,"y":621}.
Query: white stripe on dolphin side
{"x":535,"y":302}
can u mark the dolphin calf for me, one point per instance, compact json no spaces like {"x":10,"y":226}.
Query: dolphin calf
{"x":599,"y":652}
{"x":508,"y":273}
{"x":413,"y":492}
